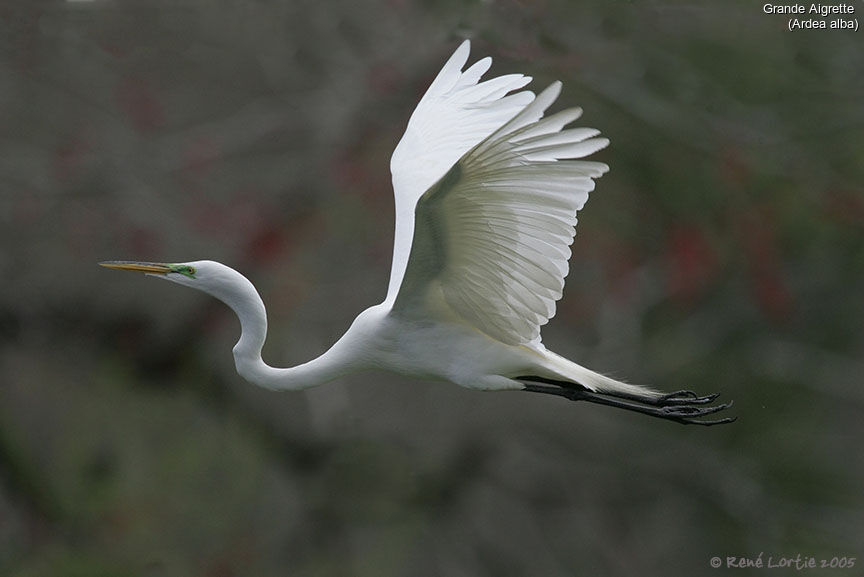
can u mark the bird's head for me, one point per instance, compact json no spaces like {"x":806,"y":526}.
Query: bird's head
{"x":230,"y":287}
{"x":216,"y":279}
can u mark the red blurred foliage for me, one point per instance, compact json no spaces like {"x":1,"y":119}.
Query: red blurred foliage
{"x":238,"y":552}
{"x":758,"y":235}
{"x":268,"y":241}
{"x":113,"y":47}
{"x":237,"y":215}
{"x":349,"y":171}
{"x":734,"y":169}
{"x":759,"y":239}
{"x":845,"y":206}
{"x":693,"y":263}
{"x":69,"y":157}
{"x":275,"y":243}
{"x":144,"y":241}
{"x":278,"y":240}
{"x":219,"y":568}
{"x":207,"y":215}
{"x":137,"y":99}
{"x":199,"y":156}
{"x":621,"y":262}
{"x":773,"y":296}
{"x":352,"y":171}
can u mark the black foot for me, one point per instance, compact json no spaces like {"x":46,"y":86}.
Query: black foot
{"x":684,"y":407}
{"x":685,"y":398}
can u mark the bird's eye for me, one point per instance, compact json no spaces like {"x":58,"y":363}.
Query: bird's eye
{"x":185,"y":270}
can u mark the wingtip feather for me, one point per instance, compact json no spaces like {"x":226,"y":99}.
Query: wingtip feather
{"x":450,"y":72}
{"x":549,"y":94}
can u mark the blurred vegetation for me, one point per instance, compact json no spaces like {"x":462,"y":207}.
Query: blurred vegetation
{"x":723,"y":252}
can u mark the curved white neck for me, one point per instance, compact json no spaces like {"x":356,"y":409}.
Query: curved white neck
{"x":247,"y":304}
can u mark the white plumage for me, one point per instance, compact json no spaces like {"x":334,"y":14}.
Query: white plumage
{"x":500,"y":222}
{"x":487,"y":190}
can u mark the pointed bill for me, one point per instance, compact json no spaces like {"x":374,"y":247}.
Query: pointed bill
{"x":145,"y":267}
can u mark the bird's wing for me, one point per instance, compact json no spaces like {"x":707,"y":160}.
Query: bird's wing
{"x":491,"y":237}
{"x":456,"y":113}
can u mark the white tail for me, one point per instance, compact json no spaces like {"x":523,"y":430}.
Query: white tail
{"x":567,"y":370}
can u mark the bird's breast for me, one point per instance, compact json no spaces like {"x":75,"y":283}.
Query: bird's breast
{"x":440,"y":350}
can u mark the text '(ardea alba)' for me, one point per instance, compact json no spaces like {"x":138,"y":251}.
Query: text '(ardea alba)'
{"x":487,"y":189}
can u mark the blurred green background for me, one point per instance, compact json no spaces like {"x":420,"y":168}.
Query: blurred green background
{"x":723,"y":252}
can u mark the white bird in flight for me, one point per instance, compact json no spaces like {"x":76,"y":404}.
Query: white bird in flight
{"x":487,"y":190}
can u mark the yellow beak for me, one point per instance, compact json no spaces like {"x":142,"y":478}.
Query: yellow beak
{"x":147,"y":267}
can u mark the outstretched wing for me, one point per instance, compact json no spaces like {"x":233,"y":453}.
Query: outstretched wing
{"x":456,"y":113}
{"x":491,"y":238}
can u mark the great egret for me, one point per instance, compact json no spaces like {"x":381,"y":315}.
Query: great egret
{"x":486,"y":191}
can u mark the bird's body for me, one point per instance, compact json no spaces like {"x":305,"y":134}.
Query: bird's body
{"x":487,"y":192}
{"x":383,"y":339}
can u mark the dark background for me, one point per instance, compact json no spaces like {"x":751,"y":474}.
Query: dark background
{"x":723,"y":252}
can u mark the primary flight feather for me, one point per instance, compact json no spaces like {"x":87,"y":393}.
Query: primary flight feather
{"x":487,"y":189}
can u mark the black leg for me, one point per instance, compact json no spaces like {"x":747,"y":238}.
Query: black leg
{"x":682,"y":406}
